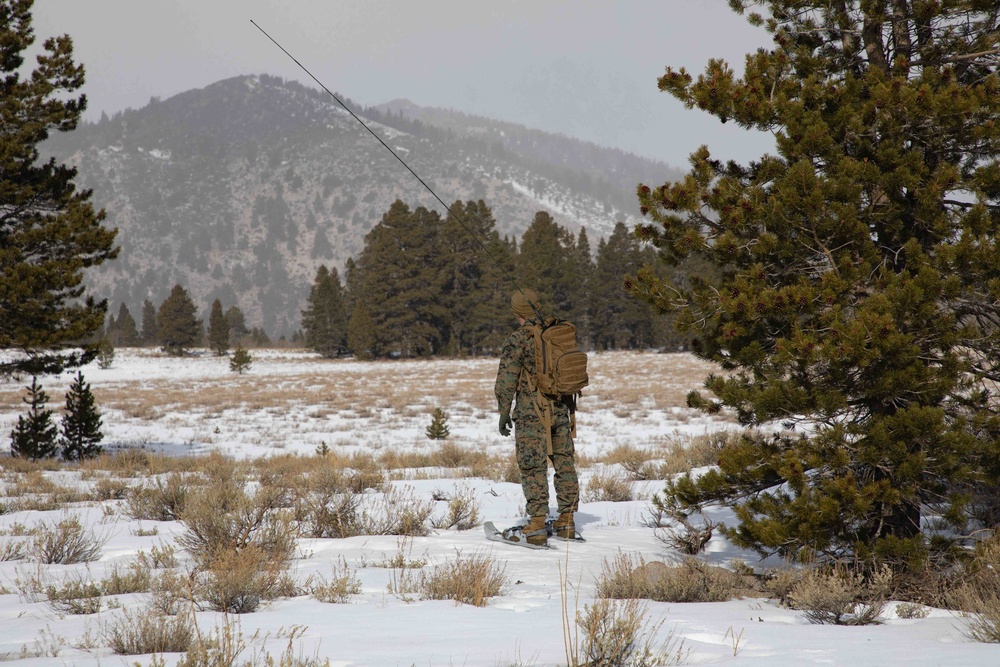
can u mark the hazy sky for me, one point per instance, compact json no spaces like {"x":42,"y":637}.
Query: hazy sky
{"x":586,"y":68}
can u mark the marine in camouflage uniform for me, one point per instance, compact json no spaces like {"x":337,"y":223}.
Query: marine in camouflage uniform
{"x":515,"y":385}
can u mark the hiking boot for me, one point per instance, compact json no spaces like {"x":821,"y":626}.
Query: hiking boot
{"x":563,"y":527}
{"x":532,"y":533}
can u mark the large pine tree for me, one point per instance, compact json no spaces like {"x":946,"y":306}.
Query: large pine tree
{"x":858,"y":274}
{"x":581,"y":273}
{"x":237,"y":325}
{"x":218,"y":330}
{"x":324,"y":321}
{"x":547,"y":263}
{"x":401,"y":276}
{"x":617,"y":319}
{"x":177,"y":328}
{"x":49,"y":231}
{"x":148,"y":332}
{"x":127,"y":335}
{"x":469,"y":253}
{"x":491,"y":313}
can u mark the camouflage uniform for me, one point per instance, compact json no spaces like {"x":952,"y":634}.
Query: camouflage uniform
{"x":517,"y":355}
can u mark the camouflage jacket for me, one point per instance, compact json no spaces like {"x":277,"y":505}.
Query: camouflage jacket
{"x":517,"y":355}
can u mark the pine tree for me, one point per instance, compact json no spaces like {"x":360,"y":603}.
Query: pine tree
{"x":438,"y":428}
{"x":105,"y":352}
{"x":465,"y":255}
{"x":127,"y":334}
{"x":352,"y":285}
{"x":581,"y":272}
{"x":81,"y":423}
{"x":49,"y":231}
{"x":546,"y":265}
{"x":490,"y":317}
{"x":857,"y":276}
{"x":241,"y":360}
{"x":177,"y":328}
{"x":401,"y":273}
{"x":149,"y":330}
{"x":218,"y":330}
{"x":324,"y":321}
{"x":34,"y":437}
{"x":361,"y":332}
{"x":237,"y":324}
{"x":618,"y":319}
{"x":110,"y":331}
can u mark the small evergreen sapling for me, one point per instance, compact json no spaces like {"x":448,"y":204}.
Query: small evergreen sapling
{"x":438,"y":429}
{"x":81,"y":423}
{"x":105,"y":353}
{"x":34,"y":437}
{"x":240,"y":360}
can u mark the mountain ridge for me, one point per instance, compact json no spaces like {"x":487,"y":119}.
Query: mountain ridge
{"x":241,"y":189}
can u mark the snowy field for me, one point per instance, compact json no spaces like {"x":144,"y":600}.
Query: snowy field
{"x":293,"y":403}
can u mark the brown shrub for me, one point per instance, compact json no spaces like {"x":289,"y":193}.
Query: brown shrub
{"x":467,"y":579}
{"x":841,"y":595}
{"x":66,"y":542}
{"x":163,"y":501}
{"x":463,"y":510}
{"x":135,"y":578}
{"x":690,"y":581}
{"x":110,"y":488}
{"x":224,"y":518}
{"x":75,"y":595}
{"x":238,"y":581}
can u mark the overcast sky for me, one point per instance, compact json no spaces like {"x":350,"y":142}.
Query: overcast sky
{"x":586,"y":68}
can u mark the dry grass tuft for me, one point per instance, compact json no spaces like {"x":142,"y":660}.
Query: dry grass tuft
{"x":339,"y":588}
{"x":608,"y":486}
{"x":463,"y":510}
{"x":616,"y":633}
{"x":467,"y":580}
{"x":977,"y":596}
{"x":145,"y":632}
{"x":633,"y":460}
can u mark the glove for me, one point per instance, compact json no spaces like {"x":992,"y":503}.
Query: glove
{"x":505,"y":422}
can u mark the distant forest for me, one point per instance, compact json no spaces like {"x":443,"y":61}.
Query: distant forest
{"x":425,"y":286}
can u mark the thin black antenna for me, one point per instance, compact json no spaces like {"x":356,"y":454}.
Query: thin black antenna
{"x":429,"y":189}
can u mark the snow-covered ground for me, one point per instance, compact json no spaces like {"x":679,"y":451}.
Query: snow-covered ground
{"x":294,"y":402}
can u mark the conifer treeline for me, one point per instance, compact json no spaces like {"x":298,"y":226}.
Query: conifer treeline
{"x":175,"y":327}
{"x":426,"y":286}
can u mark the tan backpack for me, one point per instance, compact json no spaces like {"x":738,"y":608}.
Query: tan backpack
{"x":560,"y":366}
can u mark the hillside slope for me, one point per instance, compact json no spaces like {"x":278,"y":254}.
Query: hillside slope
{"x":240,"y":190}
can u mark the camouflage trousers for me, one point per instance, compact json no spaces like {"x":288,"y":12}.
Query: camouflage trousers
{"x":532,"y":459}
